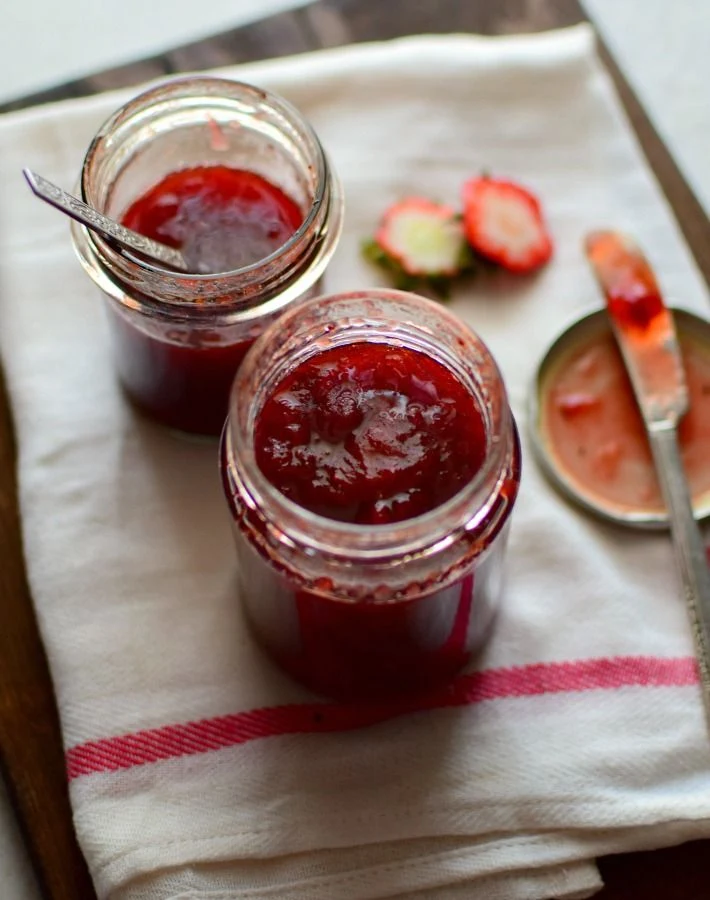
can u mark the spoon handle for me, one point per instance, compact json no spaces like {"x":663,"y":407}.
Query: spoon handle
{"x":688,"y":545}
{"x":91,"y":218}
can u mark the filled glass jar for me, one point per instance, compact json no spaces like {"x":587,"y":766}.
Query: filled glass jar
{"x":235,"y":178}
{"x":371,"y":463}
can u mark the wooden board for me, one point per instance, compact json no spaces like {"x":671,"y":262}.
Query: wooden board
{"x":31,"y":754}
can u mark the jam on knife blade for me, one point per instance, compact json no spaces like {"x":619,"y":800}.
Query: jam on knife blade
{"x":645,"y":332}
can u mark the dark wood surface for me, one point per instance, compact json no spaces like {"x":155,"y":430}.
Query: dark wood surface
{"x":30,"y":744}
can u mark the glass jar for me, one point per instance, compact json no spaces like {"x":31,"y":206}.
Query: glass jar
{"x":179,"y":338}
{"x":359,"y":611}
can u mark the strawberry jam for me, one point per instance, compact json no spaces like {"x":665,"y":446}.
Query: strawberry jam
{"x":371,"y":486}
{"x":182,"y":385}
{"x":370,"y":433}
{"x":221,"y":219}
{"x":236,"y":179}
{"x":373,"y":434}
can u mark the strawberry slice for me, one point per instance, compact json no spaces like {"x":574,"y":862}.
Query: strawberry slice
{"x":503,"y":223}
{"x":421,"y":245}
{"x":424,"y":237}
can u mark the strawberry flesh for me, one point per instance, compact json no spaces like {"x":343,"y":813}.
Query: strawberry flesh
{"x":425,"y":238}
{"x":503,"y":223}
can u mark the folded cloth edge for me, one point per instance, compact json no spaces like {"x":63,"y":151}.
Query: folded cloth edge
{"x":537,"y":47}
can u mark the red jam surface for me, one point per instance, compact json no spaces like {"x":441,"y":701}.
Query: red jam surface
{"x":629,"y":285}
{"x":636,"y":307}
{"x":221,"y":219}
{"x":593,"y":426}
{"x":370,"y":433}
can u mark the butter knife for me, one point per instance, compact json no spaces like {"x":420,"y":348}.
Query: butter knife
{"x":645,"y":332}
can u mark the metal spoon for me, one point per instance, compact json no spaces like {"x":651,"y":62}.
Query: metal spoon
{"x":126,"y":238}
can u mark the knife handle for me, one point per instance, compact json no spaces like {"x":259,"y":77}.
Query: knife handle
{"x":689,"y":547}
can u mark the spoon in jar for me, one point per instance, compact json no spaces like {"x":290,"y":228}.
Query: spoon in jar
{"x":114,"y":232}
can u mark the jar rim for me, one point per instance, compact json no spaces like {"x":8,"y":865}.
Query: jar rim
{"x":194,"y":87}
{"x":429,"y":533}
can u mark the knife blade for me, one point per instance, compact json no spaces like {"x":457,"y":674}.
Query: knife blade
{"x":645,"y":332}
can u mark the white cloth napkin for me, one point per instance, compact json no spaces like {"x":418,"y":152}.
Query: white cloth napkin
{"x":199,"y":770}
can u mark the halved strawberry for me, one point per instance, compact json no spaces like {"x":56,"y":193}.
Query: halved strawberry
{"x":421,"y":244}
{"x":424,"y":237}
{"x":503,"y":223}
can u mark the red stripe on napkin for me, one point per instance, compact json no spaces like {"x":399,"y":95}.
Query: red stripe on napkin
{"x":170,"y":741}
